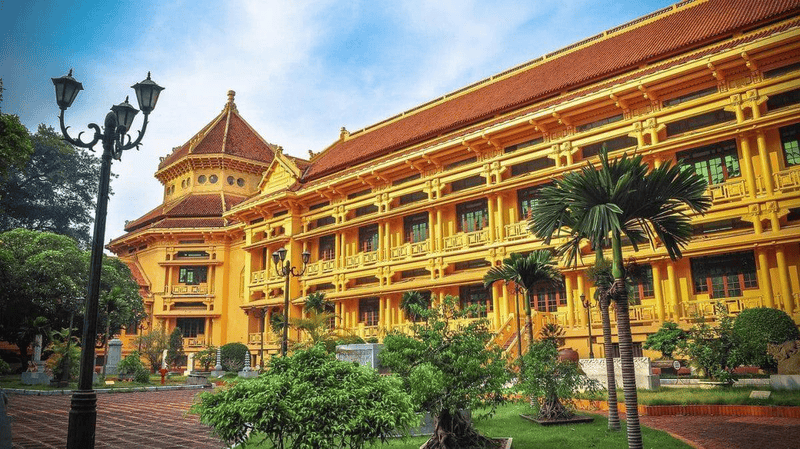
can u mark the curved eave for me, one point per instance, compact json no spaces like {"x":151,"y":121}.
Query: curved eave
{"x":201,"y":161}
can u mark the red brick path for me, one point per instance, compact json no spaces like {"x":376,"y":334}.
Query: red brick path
{"x":124,"y":420}
{"x":730,"y":432}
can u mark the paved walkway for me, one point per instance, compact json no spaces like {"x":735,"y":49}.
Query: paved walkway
{"x":159,"y":420}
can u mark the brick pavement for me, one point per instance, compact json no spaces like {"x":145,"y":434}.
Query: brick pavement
{"x":730,"y":432}
{"x":124,"y":420}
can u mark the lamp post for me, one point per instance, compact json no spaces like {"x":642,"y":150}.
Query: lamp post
{"x":587,"y":305}
{"x":285,"y":269}
{"x":115,"y":139}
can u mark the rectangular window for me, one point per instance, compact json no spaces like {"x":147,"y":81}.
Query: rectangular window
{"x":471,"y":264}
{"x":716,"y":162}
{"x":397,"y":182}
{"x":519,"y":146}
{"x":526,"y":201}
{"x":369,"y":311}
{"x":366,"y":280}
{"x":413,"y":197}
{"x":417,"y":272}
{"x":193,"y":275}
{"x":729,"y":224}
{"x":789,"y":143}
{"x":783,"y":99}
{"x":415,"y":227}
{"x":780,"y":71}
{"x":191,"y":327}
{"x":191,"y":255}
{"x":318,"y":205}
{"x":359,"y":193}
{"x":455,"y":164}
{"x":472,"y":216}
{"x":325,"y":221}
{"x":699,"y":121}
{"x":467,"y":183}
{"x":690,"y":96}
{"x":324,"y":286}
{"x":643,"y":284}
{"x":547,"y":298}
{"x":366,"y":210}
{"x":476,"y":295}
{"x":617,"y":143}
{"x":724,"y":276}
{"x":532,"y":166}
{"x":368,"y":238}
{"x":327,"y":247}
{"x":598,"y":123}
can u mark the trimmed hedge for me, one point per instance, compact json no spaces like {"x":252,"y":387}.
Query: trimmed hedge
{"x":233,"y":356}
{"x":754,"y":328}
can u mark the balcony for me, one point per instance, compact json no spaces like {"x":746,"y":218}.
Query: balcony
{"x":728,"y":191}
{"x":320,"y":267}
{"x":263,"y":276}
{"x":464,"y":240}
{"x":410,"y":250}
{"x":516,"y":231}
{"x":707,"y":308}
{"x":787,"y":180}
{"x":189,"y":289}
{"x":361,"y":259}
{"x":194,"y":342}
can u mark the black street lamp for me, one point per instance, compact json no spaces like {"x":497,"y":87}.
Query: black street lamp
{"x":587,"y":305}
{"x":115,"y":139}
{"x":285,"y":269}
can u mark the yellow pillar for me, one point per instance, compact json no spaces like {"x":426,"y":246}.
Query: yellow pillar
{"x":504,"y":305}
{"x":766,"y":280}
{"x":388,"y":239}
{"x":382,"y":321}
{"x":749,"y":173}
{"x":581,"y":281}
{"x":653,"y":135}
{"x":439,"y":230}
{"x":658,"y":292}
{"x":570,"y":301}
{"x":431,"y":233}
{"x":766,"y":166}
{"x":496,"y":304}
{"x":501,"y":220}
{"x":783,"y":275}
{"x":758,"y":228}
{"x":339,"y":242}
{"x":569,"y":157}
{"x":492,"y":221}
{"x":673,"y":291}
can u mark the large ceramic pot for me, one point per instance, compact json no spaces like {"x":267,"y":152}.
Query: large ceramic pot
{"x":568,"y":354}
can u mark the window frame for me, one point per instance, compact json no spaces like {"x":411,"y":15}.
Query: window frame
{"x":369,"y":311}
{"x":739,"y":267}
{"x":368,"y":238}
{"x":416,"y":220}
{"x":326,"y":247}
{"x":790,"y":134}
{"x":188,"y":273}
{"x":476,"y":294}
{"x":688,"y":159}
{"x":479,"y":208}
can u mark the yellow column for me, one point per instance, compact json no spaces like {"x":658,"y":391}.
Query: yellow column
{"x":653,"y":135}
{"x":783,"y":275}
{"x":657,"y":291}
{"x":382,"y":321}
{"x":673,"y":291}
{"x":569,"y":157}
{"x":582,"y":291}
{"x":439,"y":230}
{"x":570,"y":301}
{"x":766,"y":166}
{"x":504,"y":304}
{"x":383,"y":253}
{"x":431,"y":233}
{"x":339,"y":242}
{"x":501,"y":220}
{"x":766,"y":280}
{"x":749,"y":173}
{"x":492,"y":221}
{"x":388,"y":239}
{"x":496,"y":304}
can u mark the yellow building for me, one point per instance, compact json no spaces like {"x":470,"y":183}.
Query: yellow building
{"x":430,"y":198}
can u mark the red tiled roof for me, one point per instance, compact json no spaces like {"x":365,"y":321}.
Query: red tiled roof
{"x":137,"y":274}
{"x":208,"y":205}
{"x":664,"y":37}
{"x":171,"y":223}
{"x":241,"y":140}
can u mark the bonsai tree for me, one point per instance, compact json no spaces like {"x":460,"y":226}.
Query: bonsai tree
{"x":551,"y":383}
{"x":412,"y":302}
{"x":535,"y":269}
{"x":447,"y":368}
{"x":666,"y":339}
{"x":175,"y":349}
{"x":310,"y":400}
{"x":615,"y":198}
{"x":755,"y":328}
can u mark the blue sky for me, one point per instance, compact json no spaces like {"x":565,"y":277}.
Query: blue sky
{"x":301,"y":70}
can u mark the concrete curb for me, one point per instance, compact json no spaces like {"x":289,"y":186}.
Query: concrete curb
{"x":101,"y":390}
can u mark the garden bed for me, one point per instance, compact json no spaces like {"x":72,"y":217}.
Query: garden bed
{"x":577,"y":419}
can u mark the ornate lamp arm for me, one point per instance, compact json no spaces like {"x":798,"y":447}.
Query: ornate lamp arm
{"x":98,"y":134}
{"x":121,"y":146}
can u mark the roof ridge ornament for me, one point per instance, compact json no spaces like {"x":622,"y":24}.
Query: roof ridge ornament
{"x":344,"y":133}
{"x":230,"y":105}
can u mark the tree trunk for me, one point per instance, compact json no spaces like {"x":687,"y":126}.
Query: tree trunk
{"x":453,"y":431}
{"x":611,"y":384}
{"x":530,"y":318}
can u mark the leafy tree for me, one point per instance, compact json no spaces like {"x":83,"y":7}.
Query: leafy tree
{"x":755,"y":328}
{"x":120,"y":302}
{"x":713,"y":349}
{"x":207,"y":357}
{"x":15,"y":145}
{"x":175,"y":349}
{"x":530,"y":272}
{"x":316,"y":302}
{"x":552,"y":383}
{"x":412,"y":301}
{"x":65,"y":355}
{"x":56,"y":190}
{"x":310,"y":400}
{"x":449,"y":365}
{"x":41,"y":282}
{"x":666,"y":340}
{"x":233,"y":356}
{"x":153,"y":344}
{"x":315,"y":328}
{"x":601,"y":203}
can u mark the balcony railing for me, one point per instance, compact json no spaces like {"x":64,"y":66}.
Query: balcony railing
{"x":194,"y":342}
{"x":409,"y":250}
{"x":728,"y":191}
{"x":189,"y":289}
{"x":788,"y":179}
{"x":466,"y":240}
{"x":263,"y":276}
{"x":707,"y":308}
{"x":320,"y":266}
{"x":360,"y":259}
{"x":515,"y":231}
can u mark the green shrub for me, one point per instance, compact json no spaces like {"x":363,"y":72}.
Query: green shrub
{"x":666,"y":340}
{"x":4,"y":367}
{"x":713,"y":349}
{"x":142,"y":375}
{"x":130,"y":364}
{"x":754,"y":328}
{"x":206,"y":358}
{"x":175,"y":349}
{"x":57,"y":362}
{"x":233,"y":356}
{"x":550,"y":383}
{"x":310,"y":400}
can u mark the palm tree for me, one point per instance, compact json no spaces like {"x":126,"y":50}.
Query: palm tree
{"x":413,"y":302}
{"x":619,"y":197}
{"x":528,"y":272}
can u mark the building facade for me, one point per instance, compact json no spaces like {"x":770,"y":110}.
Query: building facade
{"x":429,"y":199}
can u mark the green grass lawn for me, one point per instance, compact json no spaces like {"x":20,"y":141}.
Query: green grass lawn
{"x":507,"y":423}
{"x":715,"y":396}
